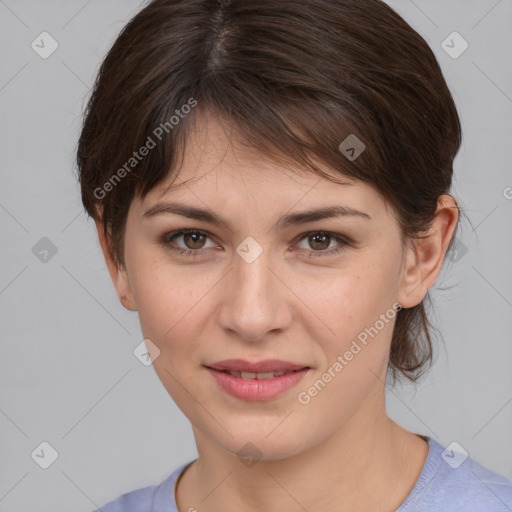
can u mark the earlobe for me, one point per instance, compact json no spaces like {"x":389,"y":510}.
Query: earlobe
{"x":425,"y":255}
{"x":118,"y":273}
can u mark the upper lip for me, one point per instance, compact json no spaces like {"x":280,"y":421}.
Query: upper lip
{"x":267,"y":365}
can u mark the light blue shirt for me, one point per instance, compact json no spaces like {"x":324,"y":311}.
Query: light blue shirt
{"x":448,"y":482}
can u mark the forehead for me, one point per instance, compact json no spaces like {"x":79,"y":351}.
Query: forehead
{"x":218,"y":161}
{"x":223,"y":174}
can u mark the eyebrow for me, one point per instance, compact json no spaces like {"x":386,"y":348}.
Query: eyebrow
{"x":287,"y":220}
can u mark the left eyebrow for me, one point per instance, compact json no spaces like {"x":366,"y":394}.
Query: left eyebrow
{"x":289,"y":219}
{"x":328,"y":212}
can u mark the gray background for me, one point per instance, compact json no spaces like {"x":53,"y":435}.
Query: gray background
{"x":68,"y":373}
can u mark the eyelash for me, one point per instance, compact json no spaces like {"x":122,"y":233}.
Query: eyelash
{"x":169,"y":237}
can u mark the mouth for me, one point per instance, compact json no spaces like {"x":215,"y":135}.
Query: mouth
{"x":275,"y":366}
{"x":257,"y":381}
{"x":256,"y":375}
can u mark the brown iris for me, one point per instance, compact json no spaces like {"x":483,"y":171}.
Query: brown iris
{"x":319,"y":239}
{"x":197,"y":240}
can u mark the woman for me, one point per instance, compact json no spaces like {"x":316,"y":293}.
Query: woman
{"x":270,"y":183}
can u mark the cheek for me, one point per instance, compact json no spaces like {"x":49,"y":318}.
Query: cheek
{"x":173,"y":310}
{"x":348,"y":301}
{"x":172,"y":304}
{"x":354,"y":350}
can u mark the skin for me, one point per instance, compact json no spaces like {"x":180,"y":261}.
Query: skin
{"x":340,"y":452}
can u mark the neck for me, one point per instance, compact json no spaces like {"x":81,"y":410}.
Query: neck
{"x":369,"y":464}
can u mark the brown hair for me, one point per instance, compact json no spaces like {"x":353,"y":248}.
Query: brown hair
{"x":296,"y":78}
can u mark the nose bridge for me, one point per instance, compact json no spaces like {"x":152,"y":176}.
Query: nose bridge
{"x":252,"y":304}
{"x":251,"y":268}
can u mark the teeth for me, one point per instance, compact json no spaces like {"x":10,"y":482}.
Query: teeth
{"x":265,"y":375}
{"x":260,"y":376}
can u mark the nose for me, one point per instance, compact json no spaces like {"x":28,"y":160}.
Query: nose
{"x":255,"y":301}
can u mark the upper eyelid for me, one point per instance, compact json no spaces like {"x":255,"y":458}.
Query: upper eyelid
{"x":181,"y":232}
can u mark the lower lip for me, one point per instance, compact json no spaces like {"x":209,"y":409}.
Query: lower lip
{"x":257,"y":389}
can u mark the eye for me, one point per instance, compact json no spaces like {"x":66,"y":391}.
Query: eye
{"x":194,"y":243}
{"x":320,"y":241}
{"x":193,"y":239}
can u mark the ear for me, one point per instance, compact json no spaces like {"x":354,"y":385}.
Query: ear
{"x":424,"y":257}
{"x":118,"y":273}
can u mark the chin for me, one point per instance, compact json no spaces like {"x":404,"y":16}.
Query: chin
{"x":263,"y":444}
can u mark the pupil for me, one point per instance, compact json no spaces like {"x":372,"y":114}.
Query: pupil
{"x":318,"y":239}
{"x":194,"y":237}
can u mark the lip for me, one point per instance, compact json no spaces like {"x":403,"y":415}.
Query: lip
{"x":267,"y":365}
{"x":257,"y":389}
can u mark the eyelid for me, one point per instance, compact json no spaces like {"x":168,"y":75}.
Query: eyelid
{"x":332,"y":234}
{"x":168,"y":237}
{"x":341,"y":239}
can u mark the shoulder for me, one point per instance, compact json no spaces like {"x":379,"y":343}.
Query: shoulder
{"x":154,"y":498}
{"x":139,"y":500}
{"x":472,"y":484}
{"x":451,"y":480}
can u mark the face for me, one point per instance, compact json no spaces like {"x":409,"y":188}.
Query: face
{"x":317,"y":293}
